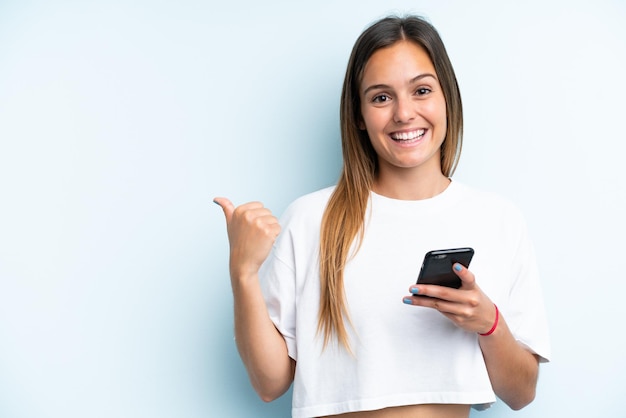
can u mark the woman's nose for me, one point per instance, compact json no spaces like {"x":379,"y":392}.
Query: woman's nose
{"x":404,"y":111}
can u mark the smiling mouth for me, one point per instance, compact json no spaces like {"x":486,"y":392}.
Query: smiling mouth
{"x":408,"y":136}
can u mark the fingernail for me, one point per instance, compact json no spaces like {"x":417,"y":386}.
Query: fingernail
{"x":216,"y":203}
{"x":407,"y":300}
{"x":457,"y":267}
{"x":415,"y":290}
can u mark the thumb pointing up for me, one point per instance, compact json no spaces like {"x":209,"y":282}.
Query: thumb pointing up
{"x":252,"y":230}
{"x":227,"y":206}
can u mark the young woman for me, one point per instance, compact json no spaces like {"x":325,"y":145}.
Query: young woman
{"x":319,"y":301}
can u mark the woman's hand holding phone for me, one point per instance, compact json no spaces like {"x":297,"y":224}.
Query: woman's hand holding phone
{"x":467,"y":307}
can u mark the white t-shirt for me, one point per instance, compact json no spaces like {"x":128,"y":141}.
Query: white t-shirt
{"x":402,"y":355}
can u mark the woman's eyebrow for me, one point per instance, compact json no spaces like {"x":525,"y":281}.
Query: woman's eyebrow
{"x":412,"y":81}
{"x":419,"y":77}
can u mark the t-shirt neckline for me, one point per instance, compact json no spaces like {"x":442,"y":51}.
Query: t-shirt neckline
{"x":448,"y":193}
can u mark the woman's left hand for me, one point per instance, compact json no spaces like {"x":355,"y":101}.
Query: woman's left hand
{"x":468,"y":307}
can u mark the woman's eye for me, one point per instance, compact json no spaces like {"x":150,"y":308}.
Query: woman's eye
{"x":422,"y":91}
{"x":381,"y":98}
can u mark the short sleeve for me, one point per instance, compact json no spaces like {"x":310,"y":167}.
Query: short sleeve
{"x":278,"y":287}
{"x":525,"y":311}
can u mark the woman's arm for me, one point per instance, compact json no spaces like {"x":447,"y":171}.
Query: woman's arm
{"x":261,"y":347}
{"x":252,"y":230}
{"x":513,"y":370}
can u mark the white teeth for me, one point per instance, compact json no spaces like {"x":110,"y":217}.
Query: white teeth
{"x":406,"y":136}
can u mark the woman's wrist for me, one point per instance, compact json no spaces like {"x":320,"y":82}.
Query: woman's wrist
{"x":495,"y":323}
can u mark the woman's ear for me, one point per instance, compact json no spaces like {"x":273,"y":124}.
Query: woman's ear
{"x":361,"y":125}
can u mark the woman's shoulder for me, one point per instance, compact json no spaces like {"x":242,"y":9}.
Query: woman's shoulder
{"x":316,"y":198}
{"x":488,"y":204}
{"x":309,"y":207}
{"x":484,"y":197}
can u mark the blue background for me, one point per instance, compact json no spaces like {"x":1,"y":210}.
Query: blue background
{"x":120,"y":121}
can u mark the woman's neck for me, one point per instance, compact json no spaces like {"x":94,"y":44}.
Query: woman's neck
{"x":411,"y":187}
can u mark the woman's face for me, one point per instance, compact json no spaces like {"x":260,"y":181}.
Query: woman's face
{"x":403,"y":109}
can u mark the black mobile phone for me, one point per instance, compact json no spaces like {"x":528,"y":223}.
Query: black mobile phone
{"x":437,"y":266}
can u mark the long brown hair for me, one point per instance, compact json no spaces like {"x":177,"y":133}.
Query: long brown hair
{"x":343,"y":220}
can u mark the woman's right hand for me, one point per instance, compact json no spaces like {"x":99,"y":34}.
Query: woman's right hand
{"x":252,"y":230}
